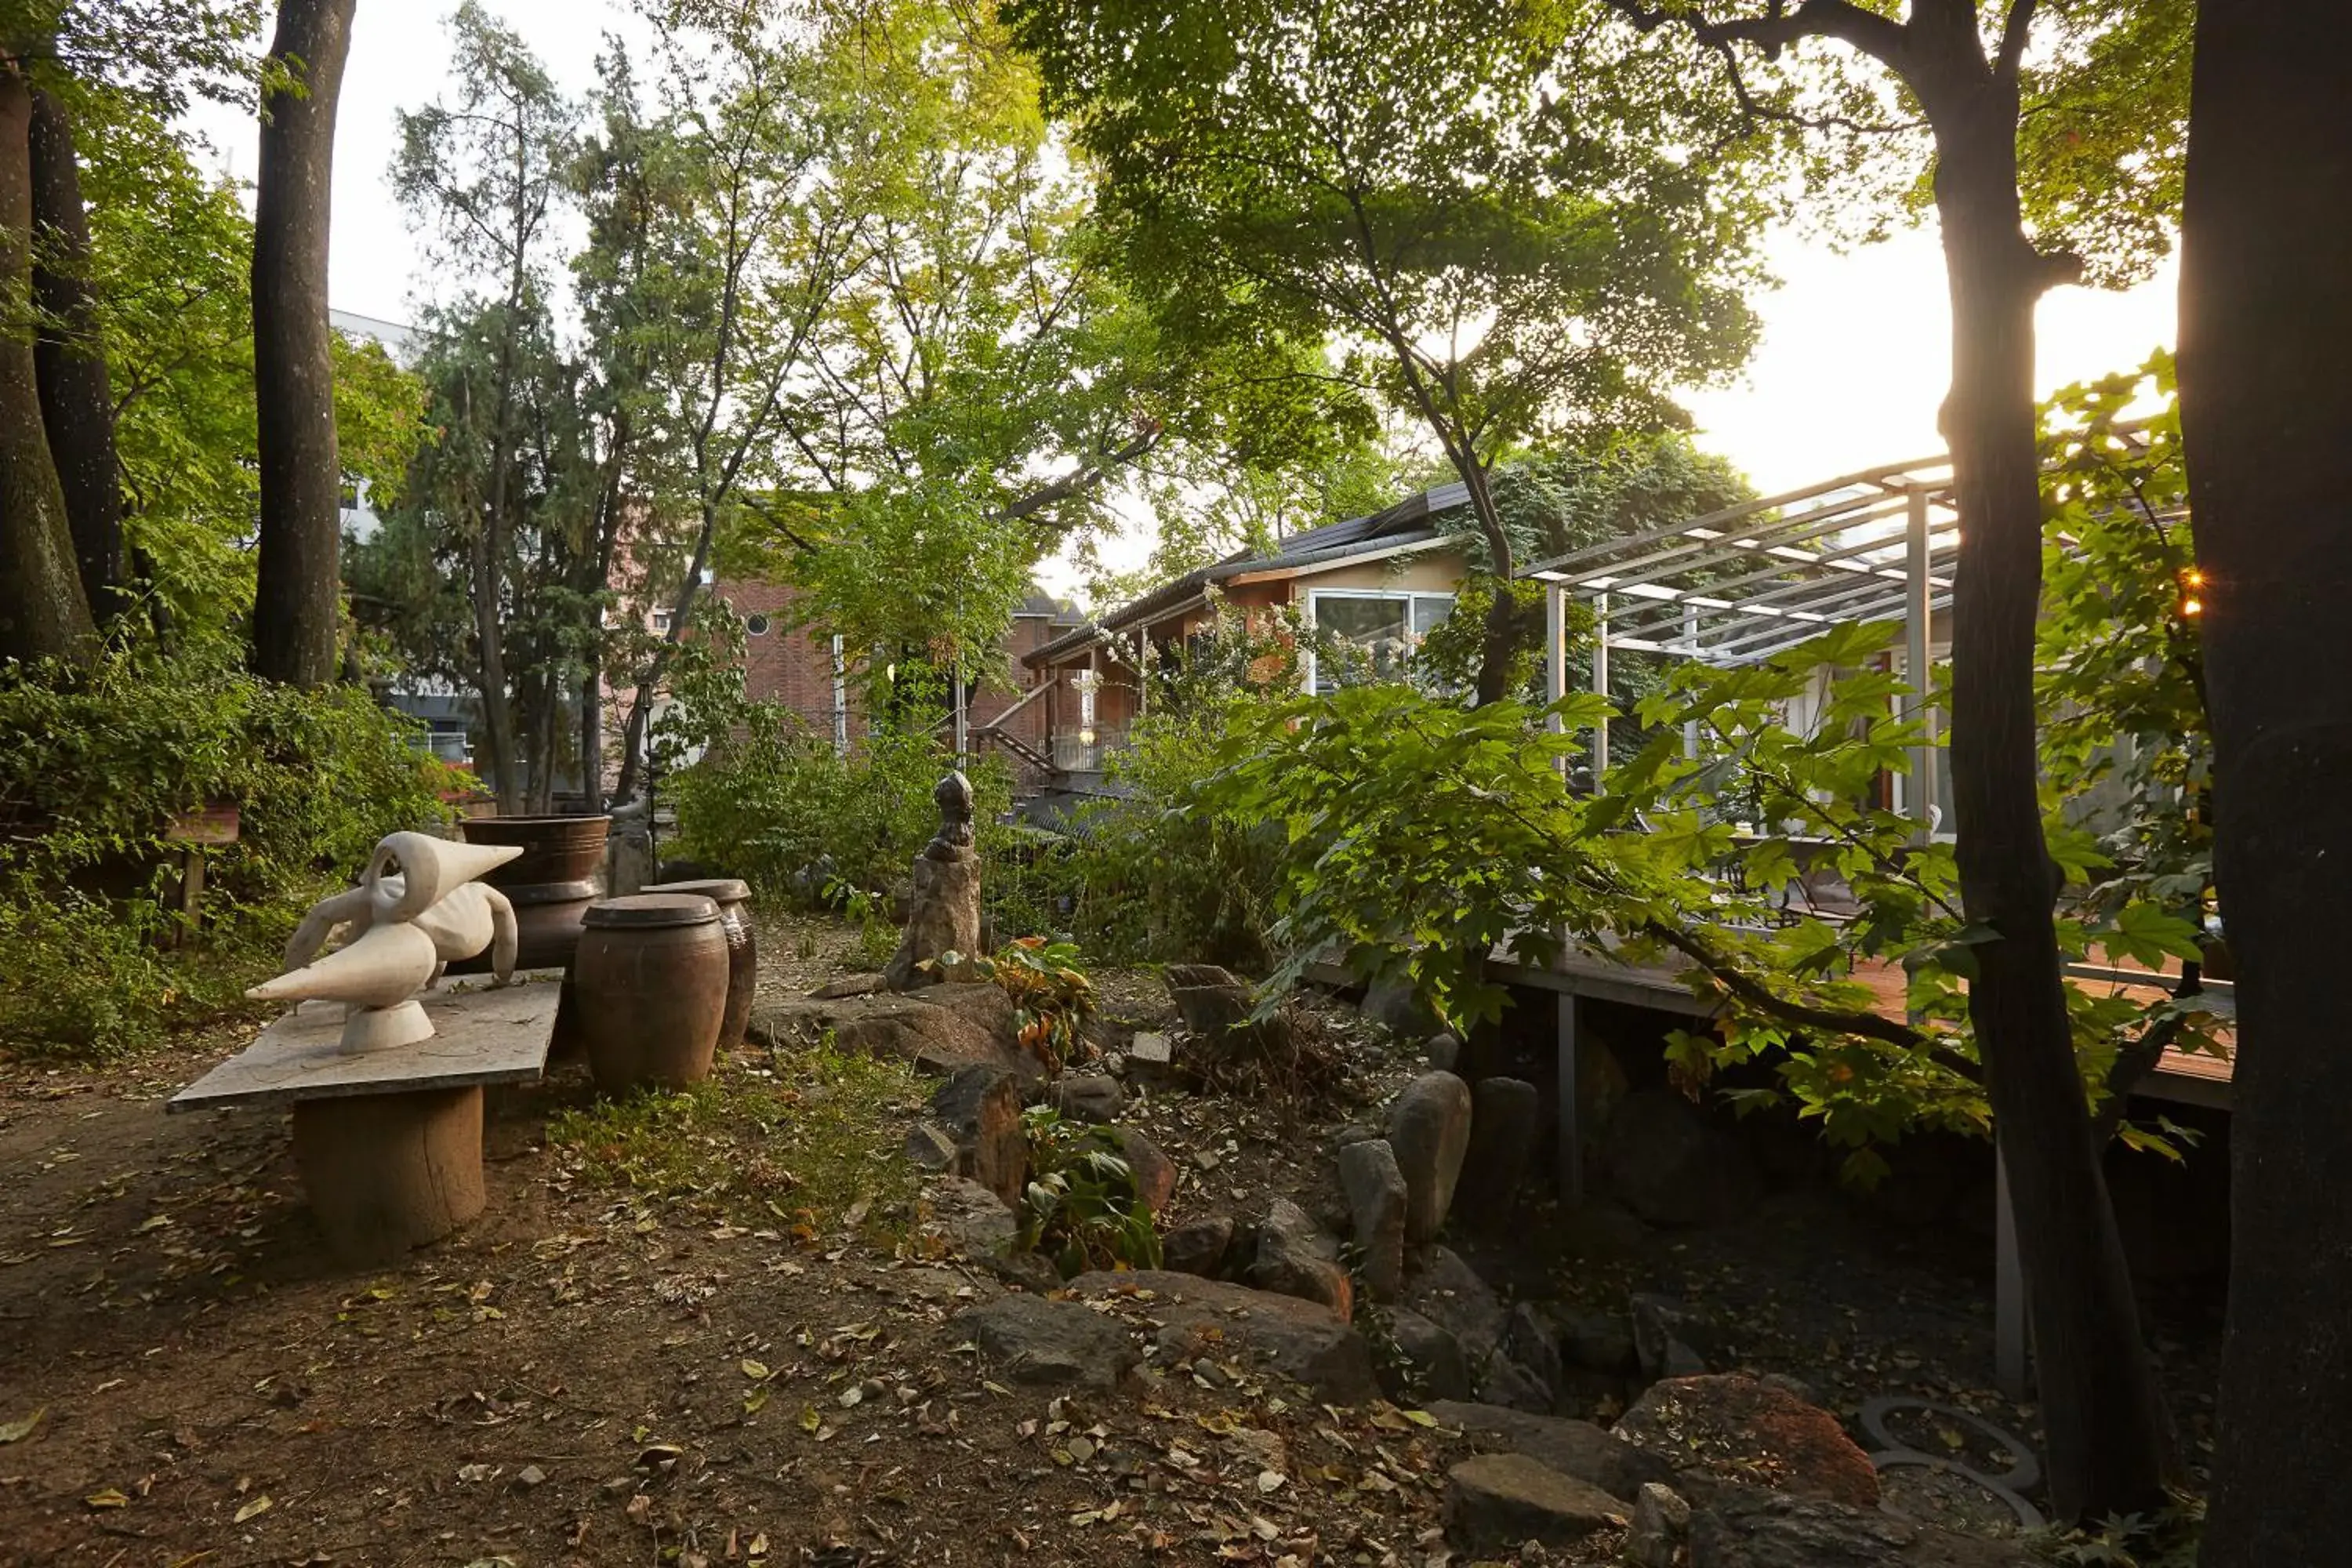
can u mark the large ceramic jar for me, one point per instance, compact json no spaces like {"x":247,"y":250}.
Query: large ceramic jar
{"x":734,"y":900}
{"x":650,"y":979}
{"x":554,"y":849}
{"x":547,"y":925}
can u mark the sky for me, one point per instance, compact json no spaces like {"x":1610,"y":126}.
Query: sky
{"x":1854,"y":360}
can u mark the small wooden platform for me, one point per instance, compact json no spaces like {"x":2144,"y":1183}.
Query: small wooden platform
{"x":389,"y":1139}
{"x":481,"y":1037}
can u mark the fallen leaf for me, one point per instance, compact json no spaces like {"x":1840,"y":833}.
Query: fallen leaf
{"x":1269,"y":1481}
{"x":756,"y":1371}
{"x":110,"y":1497}
{"x":254,"y":1510}
{"x":18,"y":1431}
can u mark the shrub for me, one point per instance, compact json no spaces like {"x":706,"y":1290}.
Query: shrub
{"x":1052,"y":998}
{"x":775,"y":804}
{"x":101,"y":762}
{"x":1083,"y":1207}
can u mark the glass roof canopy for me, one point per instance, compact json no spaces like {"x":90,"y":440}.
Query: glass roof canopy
{"x":1740,"y":584}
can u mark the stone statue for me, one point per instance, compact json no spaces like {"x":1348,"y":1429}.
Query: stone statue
{"x":943,"y":916}
{"x":417,"y":907}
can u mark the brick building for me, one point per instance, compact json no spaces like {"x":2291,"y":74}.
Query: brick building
{"x":803,"y":670}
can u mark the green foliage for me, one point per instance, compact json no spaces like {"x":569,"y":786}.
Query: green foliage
{"x":1491,"y":215}
{"x":2120,"y":677}
{"x":101,"y":763}
{"x":1052,"y":998}
{"x":1083,"y":1207}
{"x":1419,"y":835}
{"x":812,"y":1141}
{"x":1162,"y":875}
{"x":774,"y":804}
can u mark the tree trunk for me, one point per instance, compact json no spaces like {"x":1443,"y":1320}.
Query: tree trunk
{"x":2101,"y":1415}
{"x":76,"y":399}
{"x":43,"y":609}
{"x":634,"y":763}
{"x":2267,"y":411}
{"x":296,"y":585}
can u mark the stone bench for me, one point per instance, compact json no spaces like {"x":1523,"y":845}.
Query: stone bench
{"x":389,"y":1141}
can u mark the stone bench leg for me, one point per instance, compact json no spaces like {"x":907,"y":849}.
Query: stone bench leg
{"x":389,"y":1171}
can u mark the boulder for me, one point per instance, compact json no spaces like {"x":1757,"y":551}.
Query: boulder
{"x":931,"y":1146}
{"x":1500,"y":1379}
{"x":1430,"y":1131}
{"x":1428,"y":1365}
{"x":1376,"y":1204}
{"x":982,"y":1003}
{"x":933,"y":1039}
{"x":1198,"y":1246}
{"x":1578,"y":1448}
{"x":1532,"y":1340}
{"x":1095,"y":1097}
{"x":1295,"y":1256}
{"x":1155,"y":1173}
{"x":966,"y":1218}
{"x":1663,"y":1161}
{"x":1669,"y":1338}
{"x":1747,"y":1430}
{"x":979,"y":1107}
{"x":1216,"y":1005}
{"x":1449,"y":1293}
{"x":1496,"y":1503}
{"x":1442,"y":1051}
{"x":1740,"y":1527}
{"x":1302,"y":1340}
{"x":1056,"y":1345}
{"x":1397,"y":1007}
{"x":1504,"y":1117}
{"x":1591,"y":1339}
{"x":1598,"y":1230}
{"x":843,"y":986}
{"x":1660,"y":1524}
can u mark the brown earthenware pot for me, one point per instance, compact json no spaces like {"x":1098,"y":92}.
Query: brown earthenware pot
{"x":554,"y":849}
{"x":547,"y":926}
{"x":734,"y":900}
{"x":650,"y":978}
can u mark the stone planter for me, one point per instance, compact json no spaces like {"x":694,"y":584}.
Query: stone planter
{"x":554,"y":849}
{"x":734,"y":900}
{"x":650,"y":982}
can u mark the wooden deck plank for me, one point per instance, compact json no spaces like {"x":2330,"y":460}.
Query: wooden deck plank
{"x":482,"y":1036}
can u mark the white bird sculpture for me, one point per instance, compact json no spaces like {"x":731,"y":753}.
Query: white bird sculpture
{"x":416,"y":907}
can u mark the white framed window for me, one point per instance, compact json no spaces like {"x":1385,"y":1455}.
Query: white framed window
{"x":661,"y":620}
{"x":1385,"y":624}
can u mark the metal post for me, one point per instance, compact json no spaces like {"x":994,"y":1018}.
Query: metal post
{"x":1601,"y":685}
{"x":1571,"y":1148}
{"x":1918,"y":624}
{"x":962,"y":715}
{"x":2008,"y":1290}
{"x":1690,"y":646}
{"x":1555,"y":653}
{"x":840,"y":701}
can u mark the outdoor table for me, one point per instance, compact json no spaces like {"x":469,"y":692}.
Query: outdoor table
{"x":389,"y":1140}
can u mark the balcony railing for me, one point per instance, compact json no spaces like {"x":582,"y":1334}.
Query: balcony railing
{"x":1072,"y":754}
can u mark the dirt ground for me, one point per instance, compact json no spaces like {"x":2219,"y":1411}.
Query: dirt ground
{"x":585,"y":1374}
{"x":704,"y":1368}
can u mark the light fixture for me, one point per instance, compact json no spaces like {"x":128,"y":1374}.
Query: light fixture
{"x":1086,"y":737}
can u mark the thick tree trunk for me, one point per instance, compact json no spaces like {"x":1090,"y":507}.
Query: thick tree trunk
{"x":2266,"y":409}
{"x":2101,"y":1415}
{"x":43,"y":609}
{"x":77,"y":398}
{"x":297,"y":587}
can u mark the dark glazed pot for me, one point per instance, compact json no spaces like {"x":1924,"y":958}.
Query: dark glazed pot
{"x":554,"y":849}
{"x":650,"y":979}
{"x":547,"y":925}
{"x":734,"y":900}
